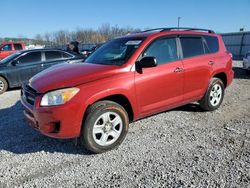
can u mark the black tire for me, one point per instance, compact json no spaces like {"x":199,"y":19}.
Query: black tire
{"x":3,"y":85}
{"x":207,"y":103}
{"x":94,"y":115}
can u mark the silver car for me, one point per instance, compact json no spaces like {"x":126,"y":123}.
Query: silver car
{"x":246,"y":61}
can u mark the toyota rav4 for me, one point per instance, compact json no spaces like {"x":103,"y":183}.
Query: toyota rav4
{"x":127,"y":79}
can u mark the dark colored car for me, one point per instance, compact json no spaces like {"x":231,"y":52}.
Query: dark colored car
{"x":88,"y":51}
{"x":127,"y":79}
{"x":21,"y":66}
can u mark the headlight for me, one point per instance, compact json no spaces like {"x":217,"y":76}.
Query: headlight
{"x":58,"y":97}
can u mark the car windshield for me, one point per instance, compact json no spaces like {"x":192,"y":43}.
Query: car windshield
{"x":10,"y":57}
{"x":115,"y":52}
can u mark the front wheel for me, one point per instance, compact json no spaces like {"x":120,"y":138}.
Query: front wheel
{"x":105,"y":126}
{"x":3,"y":85}
{"x":213,"y":96}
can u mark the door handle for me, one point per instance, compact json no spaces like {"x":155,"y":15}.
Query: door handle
{"x":178,"y":69}
{"x":211,"y":62}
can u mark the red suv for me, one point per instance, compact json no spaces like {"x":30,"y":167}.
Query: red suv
{"x":126,"y":79}
{"x":9,"y":48}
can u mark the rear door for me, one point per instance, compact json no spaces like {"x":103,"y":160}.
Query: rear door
{"x":55,"y":57}
{"x":28,"y":65}
{"x":160,"y":87}
{"x":197,"y":68}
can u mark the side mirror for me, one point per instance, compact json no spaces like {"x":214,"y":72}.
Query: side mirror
{"x":147,"y":62}
{"x":14,"y":62}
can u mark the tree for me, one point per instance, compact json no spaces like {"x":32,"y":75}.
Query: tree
{"x":39,"y":39}
{"x":104,"y":33}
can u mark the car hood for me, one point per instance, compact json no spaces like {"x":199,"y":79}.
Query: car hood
{"x":69,"y":75}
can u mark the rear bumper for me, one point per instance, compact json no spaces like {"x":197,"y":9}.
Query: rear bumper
{"x":62,"y":121}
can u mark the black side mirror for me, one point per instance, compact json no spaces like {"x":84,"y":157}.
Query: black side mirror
{"x":147,"y":62}
{"x":14,"y":62}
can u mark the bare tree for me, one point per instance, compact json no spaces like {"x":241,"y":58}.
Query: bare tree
{"x":61,"y":37}
{"x":104,"y":33}
{"x":39,"y":39}
{"x":48,"y":38}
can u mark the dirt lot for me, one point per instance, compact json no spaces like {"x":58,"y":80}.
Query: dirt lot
{"x":184,"y":147}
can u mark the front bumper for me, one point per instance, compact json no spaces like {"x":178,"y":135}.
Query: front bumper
{"x":62,"y":121}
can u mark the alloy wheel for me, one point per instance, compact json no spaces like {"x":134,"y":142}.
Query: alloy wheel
{"x":215,"y":95}
{"x":107,"y":128}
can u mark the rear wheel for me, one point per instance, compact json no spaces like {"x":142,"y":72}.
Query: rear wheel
{"x":3,"y":85}
{"x":105,"y":126}
{"x":214,"y":95}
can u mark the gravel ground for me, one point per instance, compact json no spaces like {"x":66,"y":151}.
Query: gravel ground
{"x":184,"y":147}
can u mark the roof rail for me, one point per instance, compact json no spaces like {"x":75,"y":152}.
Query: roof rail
{"x":179,"y":28}
{"x":188,"y":29}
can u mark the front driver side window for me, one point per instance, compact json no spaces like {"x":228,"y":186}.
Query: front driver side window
{"x":31,"y":57}
{"x":164,"y":50}
{"x":6,"y":47}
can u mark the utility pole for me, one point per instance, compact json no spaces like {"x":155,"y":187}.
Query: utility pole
{"x":179,"y":18}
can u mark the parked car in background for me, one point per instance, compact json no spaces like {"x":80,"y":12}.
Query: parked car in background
{"x":126,"y":79}
{"x":9,"y":48}
{"x":21,"y":66}
{"x":88,"y":51}
{"x":246,"y":61}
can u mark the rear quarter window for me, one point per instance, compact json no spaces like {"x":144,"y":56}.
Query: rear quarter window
{"x":192,"y":46}
{"x":212,"y":44}
{"x":65,"y":55}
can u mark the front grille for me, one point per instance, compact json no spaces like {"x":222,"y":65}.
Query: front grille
{"x":28,"y":94}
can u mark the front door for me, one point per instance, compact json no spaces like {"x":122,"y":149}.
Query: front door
{"x":160,"y":87}
{"x":28,"y":65}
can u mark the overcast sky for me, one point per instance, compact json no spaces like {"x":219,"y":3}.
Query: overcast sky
{"x":28,"y":17}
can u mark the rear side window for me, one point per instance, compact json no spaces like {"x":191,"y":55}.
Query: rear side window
{"x":31,"y":57}
{"x":164,"y":50}
{"x":18,"y":47}
{"x":192,"y":46}
{"x":53,"y":55}
{"x":212,"y":44}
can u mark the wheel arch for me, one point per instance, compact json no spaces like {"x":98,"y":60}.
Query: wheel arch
{"x":4,"y":77}
{"x":222,"y":76}
{"x":120,"y":99}
{"x":123,"y":101}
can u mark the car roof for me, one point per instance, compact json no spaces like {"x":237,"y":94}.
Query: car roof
{"x":12,"y":42}
{"x":43,"y":49}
